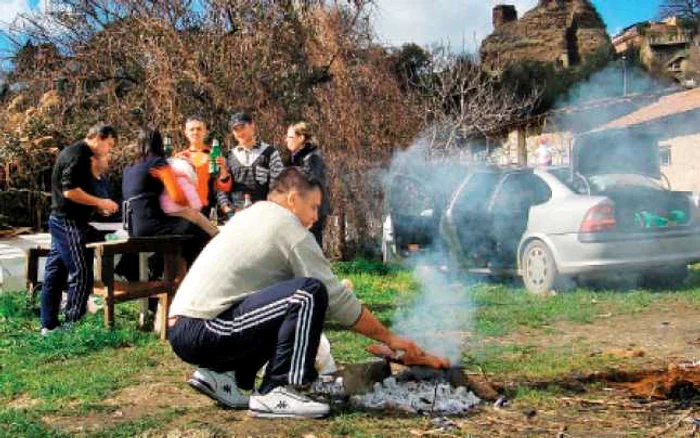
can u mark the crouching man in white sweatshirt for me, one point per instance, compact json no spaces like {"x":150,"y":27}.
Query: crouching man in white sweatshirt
{"x":259,"y":293}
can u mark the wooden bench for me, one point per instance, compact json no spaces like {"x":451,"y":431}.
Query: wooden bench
{"x":113,"y":291}
{"x":117,"y":292}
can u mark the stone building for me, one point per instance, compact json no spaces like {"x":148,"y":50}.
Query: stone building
{"x":562,"y":32}
{"x":672,"y":122}
{"x":667,"y":47}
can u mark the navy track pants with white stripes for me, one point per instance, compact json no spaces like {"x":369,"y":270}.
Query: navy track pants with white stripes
{"x":68,"y":263}
{"x":280,"y":325}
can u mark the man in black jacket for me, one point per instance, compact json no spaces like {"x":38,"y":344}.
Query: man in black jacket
{"x":73,"y":201}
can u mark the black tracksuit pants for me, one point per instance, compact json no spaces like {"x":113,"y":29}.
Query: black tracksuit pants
{"x":280,"y":325}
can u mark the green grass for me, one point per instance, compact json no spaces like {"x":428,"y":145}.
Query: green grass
{"x":532,"y":362}
{"x":86,"y":363}
{"x":502,"y":310}
{"x":72,"y":373}
{"x":20,"y":422}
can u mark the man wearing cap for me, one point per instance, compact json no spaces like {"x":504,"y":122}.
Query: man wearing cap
{"x":251,"y":168}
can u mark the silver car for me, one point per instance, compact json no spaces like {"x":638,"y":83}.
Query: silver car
{"x":609,"y":212}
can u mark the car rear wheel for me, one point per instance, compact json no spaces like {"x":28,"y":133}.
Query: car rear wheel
{"x":539,"y":268}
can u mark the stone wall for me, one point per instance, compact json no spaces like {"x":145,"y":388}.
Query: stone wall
{"x":684,"y":167}
{"x":562,"y":32}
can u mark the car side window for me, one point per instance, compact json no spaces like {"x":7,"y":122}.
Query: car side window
{"x":520,"y":192}
{"x":542,"y":191}
{"x":476,"y":193}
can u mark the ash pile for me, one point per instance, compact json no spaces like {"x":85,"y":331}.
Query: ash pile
{"x":420,"y":390}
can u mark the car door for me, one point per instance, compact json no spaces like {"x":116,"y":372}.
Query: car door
{"x":412,"y":212}
{"x":465,"y":224}
{"x":509,"y":211}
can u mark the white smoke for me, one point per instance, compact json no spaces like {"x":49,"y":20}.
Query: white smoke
{"x":441,"y":315}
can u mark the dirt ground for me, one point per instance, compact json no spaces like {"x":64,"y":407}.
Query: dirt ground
{"x":656,"y":396}
{"x":659,"y":336}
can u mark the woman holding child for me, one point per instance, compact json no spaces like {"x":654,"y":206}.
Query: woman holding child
{"x":149,"y":185}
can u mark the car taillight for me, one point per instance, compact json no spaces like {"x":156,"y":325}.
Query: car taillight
{"x":599,"y":218}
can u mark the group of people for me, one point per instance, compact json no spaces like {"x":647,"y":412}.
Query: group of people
{"x":254,"y":295}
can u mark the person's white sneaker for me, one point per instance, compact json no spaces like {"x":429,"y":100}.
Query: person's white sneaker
{"x":65,"y":327}
{"x":285,"y":402}
{"x":222,"y":387}
{"x":46,"y":332}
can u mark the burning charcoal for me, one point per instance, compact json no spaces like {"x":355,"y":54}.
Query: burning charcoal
{"x":420,"y":374}
{"x":417,"y":397}
{"x":390,"y":382}
{"x":329,"y":386}
{"x":455,"y":376}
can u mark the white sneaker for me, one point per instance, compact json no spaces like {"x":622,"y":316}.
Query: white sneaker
{"x":222,"y":387}
{"x":285,"y":402}
{"x":46,"y":332}
{"x":65,"y":327}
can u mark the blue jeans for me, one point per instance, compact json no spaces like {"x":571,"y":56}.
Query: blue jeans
{"x":70,"y":264}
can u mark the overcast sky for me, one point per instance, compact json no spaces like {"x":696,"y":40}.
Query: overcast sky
{"x":462,"y":23}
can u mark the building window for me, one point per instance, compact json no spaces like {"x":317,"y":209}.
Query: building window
{"x":665,"y":155}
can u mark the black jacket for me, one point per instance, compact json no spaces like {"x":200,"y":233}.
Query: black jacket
{"x":310,"y":160}
{"x":72,"y":170}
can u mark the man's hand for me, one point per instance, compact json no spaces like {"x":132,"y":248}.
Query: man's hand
{"x":223,"y":170}
{"x":368,"y":325}
{"x":107,"y":207}
{"x":398,"y":343}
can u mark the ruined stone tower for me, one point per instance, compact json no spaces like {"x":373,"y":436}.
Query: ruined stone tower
{"x":560,"y":32}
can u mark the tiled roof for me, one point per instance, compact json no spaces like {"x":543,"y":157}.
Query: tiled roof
{"x":669,"y":105}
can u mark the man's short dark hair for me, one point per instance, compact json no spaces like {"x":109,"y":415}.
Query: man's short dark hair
{"x":102,"y":131}
{"x":294,"y":179}
{"x":196,"y":118}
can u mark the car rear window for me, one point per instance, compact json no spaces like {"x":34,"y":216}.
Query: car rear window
{"x":599,"y":184}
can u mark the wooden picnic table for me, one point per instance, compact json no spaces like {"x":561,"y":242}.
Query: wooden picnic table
{"x":113,"y":291}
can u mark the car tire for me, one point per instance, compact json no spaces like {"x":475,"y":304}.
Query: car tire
{"x":539,"y":268}
{"x":668,"y":277}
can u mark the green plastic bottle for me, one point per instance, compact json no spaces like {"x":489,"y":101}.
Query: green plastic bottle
{"x":213,"y":155}
{"x":167,"y":147}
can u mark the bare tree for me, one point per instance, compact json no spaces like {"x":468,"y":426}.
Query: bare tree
{"x":461,"y":102}
{"x":132,"y":63}
{"x":687,"y":9}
